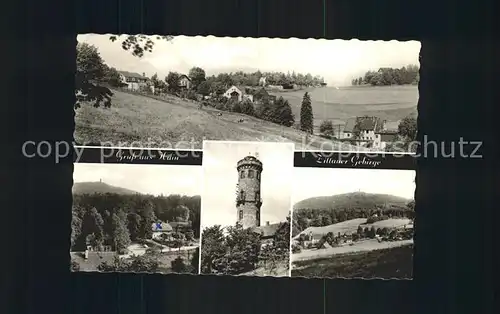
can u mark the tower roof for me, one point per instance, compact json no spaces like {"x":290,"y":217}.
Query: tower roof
{"x":250,"y":161}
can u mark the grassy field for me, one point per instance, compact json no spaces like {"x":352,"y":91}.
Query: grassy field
{"x":358,"y":246}
{"x":394,"y":262}
{"x":176,"y":123}
{"x":391,"y":103}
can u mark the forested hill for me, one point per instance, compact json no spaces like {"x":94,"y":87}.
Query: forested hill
{"x":355,"y":200}
{"x":99,"y":187}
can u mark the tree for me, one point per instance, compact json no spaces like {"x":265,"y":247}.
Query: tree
{"x":120,"y":233}
{"x":408,"y":128}
{"x":306,"y":115}
{"x":75,"y":266}
{"x":212,"y":242}
{"x":197,"y":75}
{"x":195,"y":260}
{"x":203,"y":88}
{"x":90,"y":73}
{"x":147,"y":263}
{"x":139,"y":44}
{"x":411,"y":205}
{"x":178,"y":265}
{"x":134,"y":225}
{"x":360,"y":230}
{"x":112,"y":77}
{"x":242,"y":251}
{"x":172,"y":80}
{"x":326,"y":128}
{"x":281,"y":113}
{"x":76,"y":228}
{"x":158,"y":84}
{"x":372,"y":232}
{"x":92,"y":227}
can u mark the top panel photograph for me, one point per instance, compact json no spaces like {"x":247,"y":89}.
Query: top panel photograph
{"x":174,"y":92}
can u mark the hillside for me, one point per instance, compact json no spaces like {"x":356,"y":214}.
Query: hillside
{"x":99,"y":187}
{"x":355,"y":200}
{"x":178,"y":123}
{"x":396,"y":262}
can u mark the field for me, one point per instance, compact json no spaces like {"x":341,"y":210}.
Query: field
{"x":176,"y":123}
{"x":394,"y":262}
{"x":351,"y":226}
{"x":358,"y":246}
{"x":391,"y":103}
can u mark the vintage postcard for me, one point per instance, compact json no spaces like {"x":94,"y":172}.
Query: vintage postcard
{"x":135,"y":217}
{"x":246,"y":206}
{"x":175,"y":92}
{"x":353,"y":223}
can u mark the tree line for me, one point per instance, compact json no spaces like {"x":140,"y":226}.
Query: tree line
{"x":308,"y":217}
{"x":239,"y":250}
{"x":116,"y":220}
{"x":390,"y":76}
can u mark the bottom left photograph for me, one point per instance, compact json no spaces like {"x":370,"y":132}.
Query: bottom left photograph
{"x":136,"y":218}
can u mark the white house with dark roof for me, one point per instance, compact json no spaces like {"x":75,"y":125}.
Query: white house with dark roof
{"x":184,"y":82}
{"x":368,"y":131}
{"x":161,"y":228}
{"x":134,"y":81}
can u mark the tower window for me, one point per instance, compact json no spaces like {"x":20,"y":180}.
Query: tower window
{"x":250,"y":174}
{"x":240,"y":215}
{"x":258,"y":175}
{"x":242,"y":174}
{"x":257,"y":216}
{"x":257,"y":196}
{"x":242,"y":195}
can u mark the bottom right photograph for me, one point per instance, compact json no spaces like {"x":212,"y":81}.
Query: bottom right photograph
{"x":353,"y":223}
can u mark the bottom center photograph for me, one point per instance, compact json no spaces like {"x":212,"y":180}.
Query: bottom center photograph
{"x":245,"y":208}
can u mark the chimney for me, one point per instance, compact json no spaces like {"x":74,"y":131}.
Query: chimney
{"x":267,"y":223}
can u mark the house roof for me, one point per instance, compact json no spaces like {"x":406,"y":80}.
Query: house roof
{"x":94,"y":259}
{"x":259,"y":93}
{"x":369,"y":123}
{"x":268,"y":231}
{"x":131,"y":74}
{"x":184,"y":76}
{"x":165,"y":227}
{"x":349,"y":125}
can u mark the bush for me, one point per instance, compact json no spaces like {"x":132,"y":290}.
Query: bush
{"x":178,"y":265}
{"x":296,"y":248}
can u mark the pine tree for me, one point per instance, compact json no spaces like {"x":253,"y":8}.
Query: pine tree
{"x":121,"y":236}
{"x":306,"y":115}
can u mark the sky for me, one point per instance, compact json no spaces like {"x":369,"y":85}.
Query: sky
{"x":218,"y":201}
{"x":313,"y":182}
{"x":338,"y":61}
{"x":147,"y":179}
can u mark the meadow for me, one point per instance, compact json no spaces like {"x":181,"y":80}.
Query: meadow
{"x":396,"y":262}
{"x":178,"y":123}
{"x":391,"y":103}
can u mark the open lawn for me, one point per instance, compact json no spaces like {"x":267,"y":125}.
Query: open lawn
{"x":348,"y":227}
{"x":177,"y":123}
{"x":391,"y":103}
{"x":358,"y":246}
{"x":351,"y":226}
{"x":396,"y":262}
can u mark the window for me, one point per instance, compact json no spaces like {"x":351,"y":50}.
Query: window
{"x":257,"y":215}
{"x":258,"y":175}
{"x":250,"y":174}
{"x":240,"y":214}
{"x":257,"y":196}
{"x":242,"y":174}
{"x":242,"y":195}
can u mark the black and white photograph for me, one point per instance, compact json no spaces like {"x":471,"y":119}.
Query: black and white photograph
{"x":136,"y":218}
{"x":353,"y":223}
{"x":176,"y":91}
{"x":246,"y":208}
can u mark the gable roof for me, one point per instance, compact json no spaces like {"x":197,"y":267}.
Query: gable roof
{"x":165,"y":227}
{"x":184,"y":76}
{"x":369,"y":123}
{"x":131,"y":74}
{"x":268,"y":231}
{"x":349,"y":125}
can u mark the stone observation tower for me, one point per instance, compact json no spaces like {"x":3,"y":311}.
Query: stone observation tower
{"x":248,"y":197}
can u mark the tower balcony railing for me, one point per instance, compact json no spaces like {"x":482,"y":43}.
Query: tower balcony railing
{"x":243,"y":200}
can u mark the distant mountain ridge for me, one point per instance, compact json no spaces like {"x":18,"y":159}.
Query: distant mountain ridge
{"x":99,"y":187}
{"x":353,"y":200}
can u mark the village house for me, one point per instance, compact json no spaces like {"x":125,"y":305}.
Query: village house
{"x":268,"y":232}
{"x":184,"y":82}
{"x":240,"y":93}
{"x":160,"y":229}
{"x":134,"y":81}
{"x":368,"y":131}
